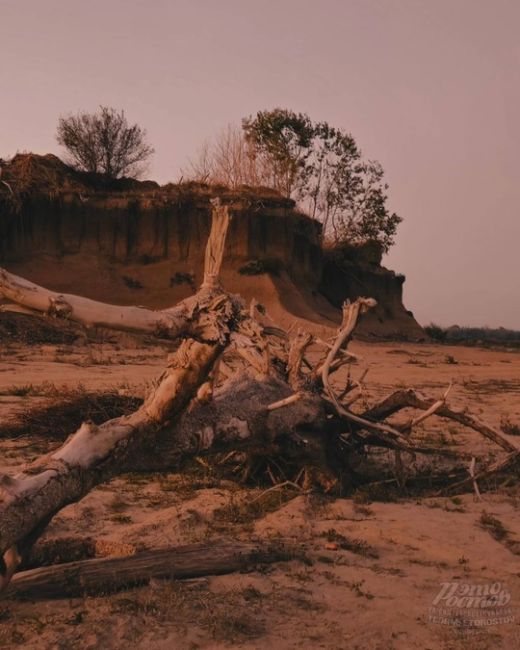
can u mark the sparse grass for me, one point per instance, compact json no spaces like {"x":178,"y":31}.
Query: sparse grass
{"x":132,"y":283}
{"x":483,"y":336}
{"x":492,"y":386}
{"x":121,"y":519}
{"x":360,"y":509}
{"x":357,"y":588}
{"x":71,"y":407}
{"x":182,"y":278}
{"x":494,"y":526}
{"x":271,"y":266}
{"x":357,"y":546}
{"x":508,"y":427}
{"x":246,"y":510}
{"x":118,"y":504}
{"x":36,"y":330}
{"x":384,"y":492}
{"x":19,"y":391}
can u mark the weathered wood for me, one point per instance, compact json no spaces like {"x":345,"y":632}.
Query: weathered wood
{"x":33,"y":298}
{"x":104,"y":575}
{"x":295,"y":360}
{"x":216,"y":244}
{"x":409,"y":398}
{"x":238,"y":417}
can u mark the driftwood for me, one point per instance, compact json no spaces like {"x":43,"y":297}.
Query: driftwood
{"x":236,"y":381}
{"x":105,"y":575}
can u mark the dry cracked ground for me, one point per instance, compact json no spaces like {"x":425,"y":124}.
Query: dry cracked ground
{"x":368,"y":568}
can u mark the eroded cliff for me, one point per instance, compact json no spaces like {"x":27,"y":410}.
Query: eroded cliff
{"x":136,"y":242}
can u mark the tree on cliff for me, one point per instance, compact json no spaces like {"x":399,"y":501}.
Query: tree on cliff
{"x":322,"y":168}
{"x":104,"y":142}
{"x":318,"y":165}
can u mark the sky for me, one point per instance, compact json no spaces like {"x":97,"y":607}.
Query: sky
{"x":430,"y":88}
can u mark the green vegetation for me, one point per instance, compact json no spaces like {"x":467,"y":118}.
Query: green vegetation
{"x":473,"y":335}
{"x":321,"y":166}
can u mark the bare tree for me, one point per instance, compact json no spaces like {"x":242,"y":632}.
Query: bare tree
{"x":229,"y":160}
{"x":104,"y":142}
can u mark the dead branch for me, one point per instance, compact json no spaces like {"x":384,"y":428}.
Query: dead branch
{"x":296,"y":354}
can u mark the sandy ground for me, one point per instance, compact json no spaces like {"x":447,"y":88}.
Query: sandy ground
{"x":378,"y":595}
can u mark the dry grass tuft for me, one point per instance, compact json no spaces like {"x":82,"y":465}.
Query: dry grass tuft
{"x":67,"y":410}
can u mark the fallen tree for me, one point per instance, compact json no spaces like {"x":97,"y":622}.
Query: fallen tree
{"x":235,"y":382}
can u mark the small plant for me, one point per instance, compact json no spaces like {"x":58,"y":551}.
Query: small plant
{"x":357,"y":589}
{"x":450,"y":360}
{"x":363,"y":510}
{"x":132,"y":283}
{"x":121,"y":519}
{"x":357,"y":546}
{"x":182,"y":278}
{"x":508,"y":427}
{"x":436,"y":332}
{"x":494,"y":526}
{"x":271,"y":266}
{"x":20,"y":391}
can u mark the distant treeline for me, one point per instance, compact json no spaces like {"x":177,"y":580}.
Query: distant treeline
{"x":474,"y":335}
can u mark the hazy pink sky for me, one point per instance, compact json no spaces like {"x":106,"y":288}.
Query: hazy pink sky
{"x":430,"y":88}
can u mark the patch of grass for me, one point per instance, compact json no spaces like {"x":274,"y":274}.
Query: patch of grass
{"x":247,"y":510}
{"x":71,"y":407}
{"x":19,"y":391}
{"x":509,"y":428}
{"x":483,"y":336}
{"x":118,"y":505}
{"x":357,"y":588}
{"x":132,"y":283}
{"x":271,"y":266}
{"x":121,"y":519}
{"x":182,"y":278}
{"x":236,"y":626}
{"x":383,"y":492}
{"x":37,"y":330}
{"x":357,"y":546}
{"x":360,"y":509}
{"x":494,"y":526}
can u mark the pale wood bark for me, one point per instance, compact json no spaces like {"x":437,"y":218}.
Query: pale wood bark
{"x":169,"y":324}
{"x":216,"y":244}
{"x":409,"y":398}
{"x":104,"y":575}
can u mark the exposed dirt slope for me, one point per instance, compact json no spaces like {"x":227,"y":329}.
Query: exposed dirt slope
{"x":127,"y":242}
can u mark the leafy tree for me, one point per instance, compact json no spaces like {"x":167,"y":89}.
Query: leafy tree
{"x":322,"y":168}
{"x":283,"y":139}
{"x":104,"y":142}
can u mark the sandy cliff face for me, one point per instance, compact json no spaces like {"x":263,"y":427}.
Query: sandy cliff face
{"x":137,"y":242}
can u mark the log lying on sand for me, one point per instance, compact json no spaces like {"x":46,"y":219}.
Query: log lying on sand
{"x":104,"y":575}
